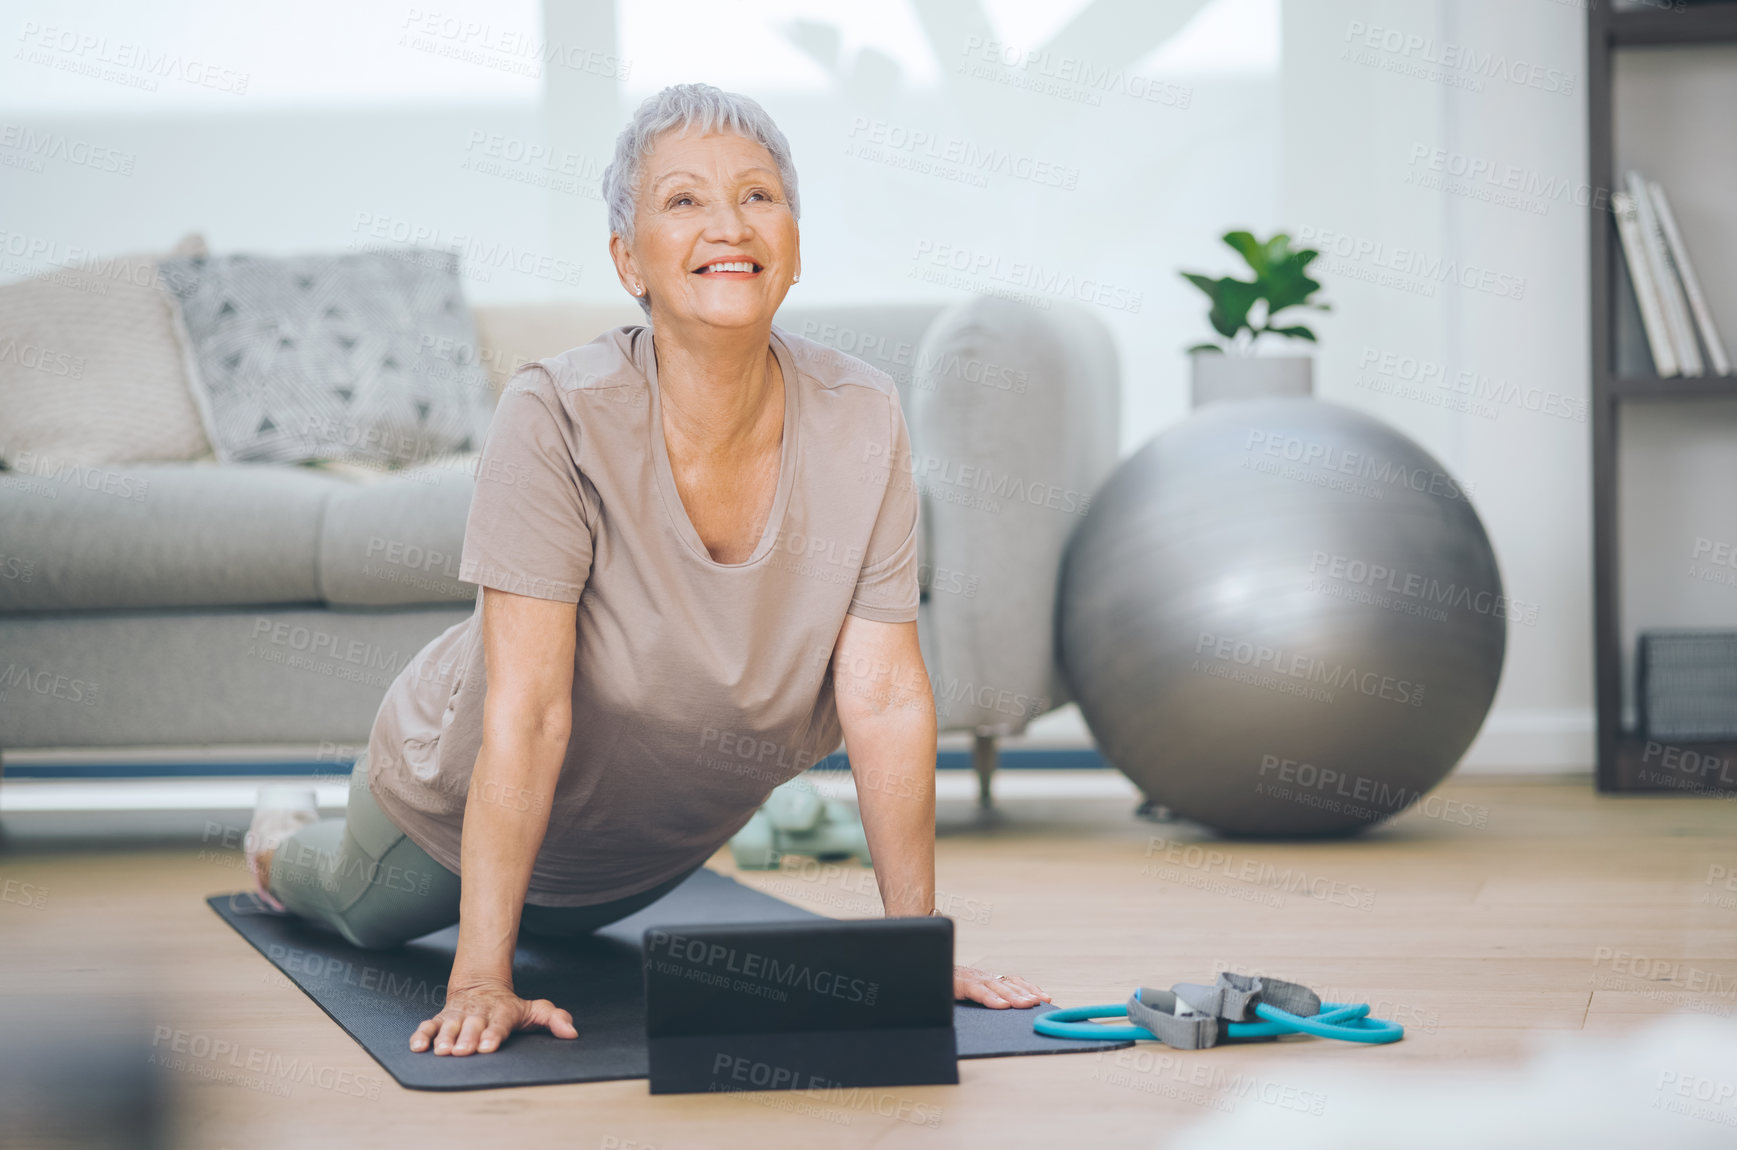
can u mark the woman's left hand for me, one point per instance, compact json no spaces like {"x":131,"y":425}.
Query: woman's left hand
{"x":995,"y":990}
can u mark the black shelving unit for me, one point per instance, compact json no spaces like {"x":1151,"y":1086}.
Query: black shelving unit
{"x":1625,"y":761}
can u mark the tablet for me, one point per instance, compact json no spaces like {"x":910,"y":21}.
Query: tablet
{"x":800,"y":1005}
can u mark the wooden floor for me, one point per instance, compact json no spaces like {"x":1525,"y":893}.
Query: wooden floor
{"x":1521,"y":907}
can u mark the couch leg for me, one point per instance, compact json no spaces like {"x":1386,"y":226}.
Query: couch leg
{"x":983,"y":762}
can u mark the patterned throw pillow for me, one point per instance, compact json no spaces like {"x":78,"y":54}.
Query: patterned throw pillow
{"x":366,"y":357}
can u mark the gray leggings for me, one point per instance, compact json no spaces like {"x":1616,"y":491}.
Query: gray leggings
{"x":366,"y":879}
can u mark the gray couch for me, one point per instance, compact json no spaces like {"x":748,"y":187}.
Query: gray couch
{"x":198,"y":604}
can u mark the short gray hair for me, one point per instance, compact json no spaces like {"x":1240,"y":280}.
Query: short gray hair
{"x":682,"y":107}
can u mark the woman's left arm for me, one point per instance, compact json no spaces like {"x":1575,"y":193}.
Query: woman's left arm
{"x":887,"y":710}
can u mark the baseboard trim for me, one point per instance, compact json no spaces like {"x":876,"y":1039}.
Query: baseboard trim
{"x":1533,"y":741}
{"x":66,"y":766}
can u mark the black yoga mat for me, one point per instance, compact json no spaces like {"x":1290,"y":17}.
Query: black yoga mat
{"x":378,"y":997}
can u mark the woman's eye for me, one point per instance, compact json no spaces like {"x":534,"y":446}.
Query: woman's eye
{"x":681,"y":200}
{"x":758,"y":192}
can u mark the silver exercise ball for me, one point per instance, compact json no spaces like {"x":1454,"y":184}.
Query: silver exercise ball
{"x":1282,"y":617}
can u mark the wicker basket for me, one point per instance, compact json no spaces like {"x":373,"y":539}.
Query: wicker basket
{"x":1688,"y":684}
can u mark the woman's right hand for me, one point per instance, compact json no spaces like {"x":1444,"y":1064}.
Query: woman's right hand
{"x":478,"y":1017}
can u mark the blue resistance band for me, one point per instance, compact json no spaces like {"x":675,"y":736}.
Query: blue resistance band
{"x":1347,"y":1022}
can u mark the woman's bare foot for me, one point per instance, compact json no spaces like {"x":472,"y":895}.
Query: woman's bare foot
{"x":281,"y":812}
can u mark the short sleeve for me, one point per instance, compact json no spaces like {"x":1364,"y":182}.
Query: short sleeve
{"x":528,"y":532}
{"x":886,"y":587}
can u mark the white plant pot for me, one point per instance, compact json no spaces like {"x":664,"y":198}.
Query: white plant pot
{"x":1219,"y":377}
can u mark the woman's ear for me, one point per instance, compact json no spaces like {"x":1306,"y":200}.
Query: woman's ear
{"x":626,"y":267}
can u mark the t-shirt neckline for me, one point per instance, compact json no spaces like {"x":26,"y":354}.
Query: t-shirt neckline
{"x":645,"y":355}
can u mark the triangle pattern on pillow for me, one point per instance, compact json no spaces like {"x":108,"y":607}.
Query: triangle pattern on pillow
{"x":309,"y":358}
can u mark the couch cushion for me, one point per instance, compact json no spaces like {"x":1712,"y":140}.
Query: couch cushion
{"x":886,"y":336}
{"x":92,"y":369}
{"x":248,"y":675}
{"x":512,"y":335}
{"x":395,"y":541}
{"x":160,"y":535}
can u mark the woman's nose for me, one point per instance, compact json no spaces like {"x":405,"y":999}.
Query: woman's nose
{"x":727,"y":220}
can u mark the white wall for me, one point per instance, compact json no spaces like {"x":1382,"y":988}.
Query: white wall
{"x":1361,"y":126}
{"x":279,"y":181}
{"x":124,"y":126}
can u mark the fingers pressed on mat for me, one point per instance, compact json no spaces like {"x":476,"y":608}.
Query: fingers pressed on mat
{"x":1023,"y":989}
{"x":989,"y":993}
{"x":448,"y":1033}
{"x":474,"y":1024}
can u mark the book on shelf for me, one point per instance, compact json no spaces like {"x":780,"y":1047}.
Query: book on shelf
{"x":1640,"y":275}
{"x":1679,"y":252}
{"x":1670,"y":292}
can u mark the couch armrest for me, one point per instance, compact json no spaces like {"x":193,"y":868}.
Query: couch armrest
{"x":1014,"y":422}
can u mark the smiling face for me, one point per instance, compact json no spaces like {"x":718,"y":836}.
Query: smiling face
{"x":714,"y":239}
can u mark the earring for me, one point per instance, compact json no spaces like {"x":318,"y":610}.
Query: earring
{"x":638,"y":290}
{"x":797,"y":278}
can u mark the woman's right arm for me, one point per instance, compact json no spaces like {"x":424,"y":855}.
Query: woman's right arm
{"x":528,"y":647}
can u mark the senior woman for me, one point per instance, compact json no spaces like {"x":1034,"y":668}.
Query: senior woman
{"x":686,"y":535}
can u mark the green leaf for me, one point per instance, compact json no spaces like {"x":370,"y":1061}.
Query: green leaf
{"x":1250,"y":249}
{"x":1287,"y":284}
{"x":1207,"y":347}
{"x":1205,"y":283}
{"x":1288,"y":288}
{"x":1279,"y":249}
{"x":1231,"y":301}
{"x":1296,"y":332}
{"x":1230,"y":306}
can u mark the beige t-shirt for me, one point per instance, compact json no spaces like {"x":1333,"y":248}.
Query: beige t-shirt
{"x":697,"y":686}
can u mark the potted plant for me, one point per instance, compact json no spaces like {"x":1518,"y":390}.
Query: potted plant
{"x":1243,"y":311}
